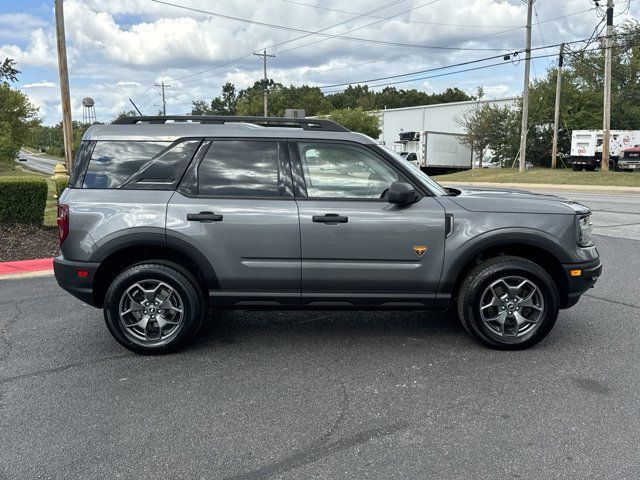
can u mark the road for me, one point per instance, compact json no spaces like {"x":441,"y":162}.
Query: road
{"x":328,"y":394}
{"x":38,"y":162}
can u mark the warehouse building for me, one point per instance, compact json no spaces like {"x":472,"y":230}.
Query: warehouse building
{"x":442,"y":117}
{"x":429,"y":135}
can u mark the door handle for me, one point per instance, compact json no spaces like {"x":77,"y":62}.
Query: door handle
{"x":205,"y":217}
{"x":330,"y":219}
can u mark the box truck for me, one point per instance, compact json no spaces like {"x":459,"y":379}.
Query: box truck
{"x":434,"y":151}
{"x":586,"y":147}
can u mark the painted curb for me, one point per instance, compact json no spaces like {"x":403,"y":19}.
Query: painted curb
{"x":26,"y":268}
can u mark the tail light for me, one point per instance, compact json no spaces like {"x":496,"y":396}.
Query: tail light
{"x":63,"y":222}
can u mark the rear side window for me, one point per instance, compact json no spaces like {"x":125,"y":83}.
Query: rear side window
{"x":241,"y":168}
{"x":80,"y":164}
{"x":114,"y":162}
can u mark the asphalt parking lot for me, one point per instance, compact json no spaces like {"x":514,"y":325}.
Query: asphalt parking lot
{"x":326,"y":394}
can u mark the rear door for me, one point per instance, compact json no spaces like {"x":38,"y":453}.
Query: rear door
{"x":356,"y":247}
{"x":236,"y":206}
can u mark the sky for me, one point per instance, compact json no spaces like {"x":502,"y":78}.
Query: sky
{"x":119,"y":49}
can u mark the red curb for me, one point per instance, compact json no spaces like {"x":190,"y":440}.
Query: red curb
{"x":24,"y":266}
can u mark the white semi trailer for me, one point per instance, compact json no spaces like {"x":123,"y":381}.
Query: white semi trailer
{"x":586,"y":147}
{"x":434,"y":150}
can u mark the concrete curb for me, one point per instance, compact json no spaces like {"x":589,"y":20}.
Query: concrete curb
{"x":548,"y":186}
{"x":26,"y":268}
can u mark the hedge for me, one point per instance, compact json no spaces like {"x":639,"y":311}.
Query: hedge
{"x":22,"y":199}
{"x":61,"y":184}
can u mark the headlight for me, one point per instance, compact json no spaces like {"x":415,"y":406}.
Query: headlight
{"x":584,"y":230}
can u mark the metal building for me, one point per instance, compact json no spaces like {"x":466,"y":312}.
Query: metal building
{"x":442,"y":117}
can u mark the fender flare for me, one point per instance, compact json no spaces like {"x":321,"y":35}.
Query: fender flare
{"x":496,"y":238}
{"x":156,"y":236}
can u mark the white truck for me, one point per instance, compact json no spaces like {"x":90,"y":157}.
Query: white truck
{"x":432,"y":151}
{"x":586,"y":147}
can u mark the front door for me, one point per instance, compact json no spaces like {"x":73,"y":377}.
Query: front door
{"x":236,"y":206}
{"x":356,"y":247}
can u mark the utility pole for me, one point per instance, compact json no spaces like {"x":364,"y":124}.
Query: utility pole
{"x":606,"y":121}
{"x":162,"y":85}
{"x":265,"y":91}
{"x":525,"y":93}
{"x":556,"y":118}
{"x":63,"y":72}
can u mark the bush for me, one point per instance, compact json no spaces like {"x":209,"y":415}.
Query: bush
{"x":22,"y":199}
{"x":61,"y":184}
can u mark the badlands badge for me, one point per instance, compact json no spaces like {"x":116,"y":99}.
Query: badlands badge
{"x":419,"y":249}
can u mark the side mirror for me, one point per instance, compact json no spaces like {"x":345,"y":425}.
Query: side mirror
{"x":401,"y":193}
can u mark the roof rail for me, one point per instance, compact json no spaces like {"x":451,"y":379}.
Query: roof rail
{"x":304,"y":123}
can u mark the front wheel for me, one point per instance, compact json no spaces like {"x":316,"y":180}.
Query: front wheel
{"x":153,"y":308}
{"x":508,"y":303}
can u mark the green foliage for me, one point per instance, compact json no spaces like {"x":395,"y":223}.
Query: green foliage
{"x":482,"y":134}
{"x":61,"y":183}
{"x":581,"y":102}
{"x":17,"y":115}
{"x":249,"y":101}
{"x":8,"y":71}
{"x":225,"y":104}
{"x":50,"y":139}
{"x":22,"y":199}
{"x":357,"y":120}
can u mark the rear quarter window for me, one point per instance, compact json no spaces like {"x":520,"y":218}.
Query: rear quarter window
{"x":148,"y":165}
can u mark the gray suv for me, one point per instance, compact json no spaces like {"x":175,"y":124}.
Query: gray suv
{"x":167,"y":219}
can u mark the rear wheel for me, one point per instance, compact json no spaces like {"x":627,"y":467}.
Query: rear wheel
{"x":590,"y":168}
{"x":153,"y":308}
{"x":576,"y":168}
{"x":508,"y":303}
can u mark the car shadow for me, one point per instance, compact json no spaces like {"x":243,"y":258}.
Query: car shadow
{"x":231,"y":327}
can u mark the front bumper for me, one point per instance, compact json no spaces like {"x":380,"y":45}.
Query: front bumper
{"x":579,"y":284}
{"x":80,"y":286}
{"x":629,"y":164}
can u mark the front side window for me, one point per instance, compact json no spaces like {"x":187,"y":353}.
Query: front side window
{"x":113,"y":162}
{"x":343,"y":171}
{"x":240,"y":168}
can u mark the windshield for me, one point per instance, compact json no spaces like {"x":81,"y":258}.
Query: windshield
{"x":435,"y":186}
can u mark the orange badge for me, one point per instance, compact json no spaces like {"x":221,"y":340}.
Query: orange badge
{"x":419,"y":249}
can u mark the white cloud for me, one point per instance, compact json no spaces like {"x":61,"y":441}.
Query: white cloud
{"x":117,"y":50}
{"x":43,"y":84}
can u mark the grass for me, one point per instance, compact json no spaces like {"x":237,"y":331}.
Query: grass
{"x":51,"y":209}
{"x":563,"y":176}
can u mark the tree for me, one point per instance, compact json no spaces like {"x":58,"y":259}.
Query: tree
{"x":8,"y":72}
{"x":17,"y":115}
{"x":224,"y":104}
{"x":357,"y":120}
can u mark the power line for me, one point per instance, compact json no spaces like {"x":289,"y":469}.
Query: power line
{"x":327,"y":35}
{"x":318,"y":7}
{"x":395,"y":2}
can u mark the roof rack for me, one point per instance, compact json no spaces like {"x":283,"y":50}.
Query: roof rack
{"x":304,"y":123}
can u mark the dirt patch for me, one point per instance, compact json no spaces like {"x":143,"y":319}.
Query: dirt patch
{"x":26,"y":242}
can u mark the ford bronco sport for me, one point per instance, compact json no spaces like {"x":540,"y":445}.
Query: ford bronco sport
{"x":167,"y":219}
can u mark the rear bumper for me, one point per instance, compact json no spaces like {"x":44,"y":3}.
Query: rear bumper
{"x":66,"y":273}
{"x":579,"y":284}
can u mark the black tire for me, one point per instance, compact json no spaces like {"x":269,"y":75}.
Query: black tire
{"x":576,"y":168}
{"x":591,"y":168}
{"x":472,"y":295}
{"x":186,"y":294}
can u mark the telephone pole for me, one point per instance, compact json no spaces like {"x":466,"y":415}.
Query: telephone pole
{"x":525,"y":93}
{"x":606,"y":121}
{"x":265,"y":91}
{"x":63,"y":72}
{"x":556,"y":118}
{"x":162,"y":85}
